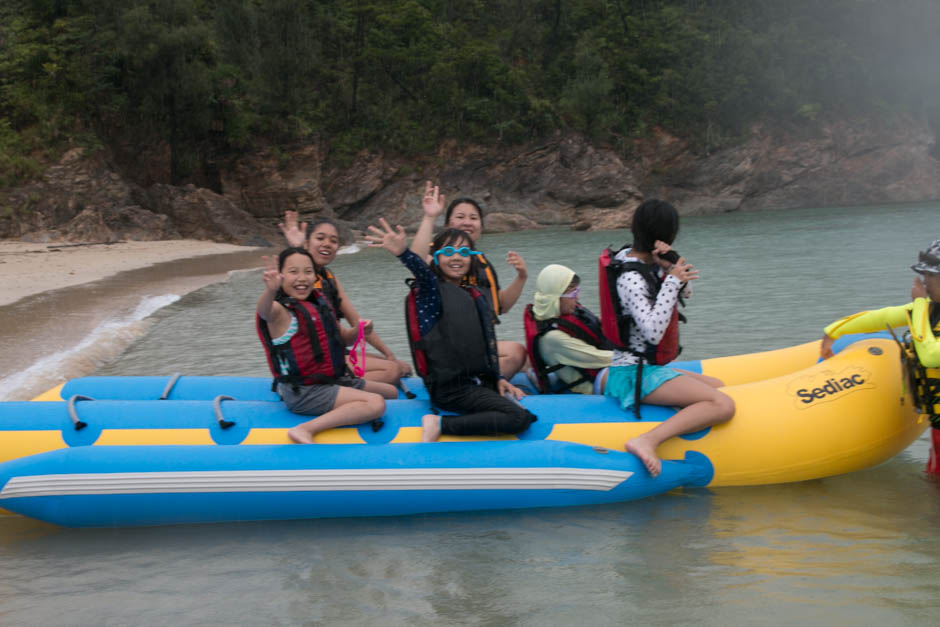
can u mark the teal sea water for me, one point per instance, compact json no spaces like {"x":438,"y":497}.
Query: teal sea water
{"x":862,"y":548}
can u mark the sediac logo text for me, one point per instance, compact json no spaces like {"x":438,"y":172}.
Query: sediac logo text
{"x":828,"y":385}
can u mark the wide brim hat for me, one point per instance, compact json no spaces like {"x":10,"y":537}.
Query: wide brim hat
{"x":928,"y":261}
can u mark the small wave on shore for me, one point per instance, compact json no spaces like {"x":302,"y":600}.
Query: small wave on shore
{"x":103,"y":344}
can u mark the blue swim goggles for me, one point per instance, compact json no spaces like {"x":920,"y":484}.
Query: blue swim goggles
{"x":450,"y":251}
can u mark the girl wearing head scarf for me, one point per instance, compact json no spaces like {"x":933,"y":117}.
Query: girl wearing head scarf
{"x":556,"y":295}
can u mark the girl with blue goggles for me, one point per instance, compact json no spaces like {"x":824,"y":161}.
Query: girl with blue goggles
{"x":450,"y":251}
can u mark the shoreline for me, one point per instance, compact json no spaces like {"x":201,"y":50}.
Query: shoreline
{"x":55,"y":301}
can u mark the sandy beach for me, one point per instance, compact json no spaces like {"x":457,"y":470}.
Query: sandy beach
{"x":27,"y":268}
{"x":55,"y":297}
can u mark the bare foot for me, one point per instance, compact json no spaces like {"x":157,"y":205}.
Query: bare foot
{"x":647,"y":454}
{"x":430,"y":428}
{"x":300,"y":436}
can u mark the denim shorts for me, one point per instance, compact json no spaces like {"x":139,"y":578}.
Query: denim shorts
{"x":621,"y":382}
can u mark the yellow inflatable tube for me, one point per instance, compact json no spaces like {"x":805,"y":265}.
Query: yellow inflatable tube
{"x":844,"y":414}
{"x":751,"y":367}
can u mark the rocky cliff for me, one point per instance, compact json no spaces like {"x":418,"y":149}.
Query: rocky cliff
{"x":561,"y":181}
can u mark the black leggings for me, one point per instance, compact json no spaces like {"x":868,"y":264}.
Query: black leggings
{"x":482,"y":411}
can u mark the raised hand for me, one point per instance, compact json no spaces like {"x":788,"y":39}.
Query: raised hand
{"x":385,"y":237}
{"x":296,"y":235}
{"x":433,"y":200}
{"x":684,"y":271}
{"x":271,"y":276}
{"x":516,"y":261}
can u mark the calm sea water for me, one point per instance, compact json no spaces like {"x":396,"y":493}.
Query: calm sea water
{"x":856,"y":549}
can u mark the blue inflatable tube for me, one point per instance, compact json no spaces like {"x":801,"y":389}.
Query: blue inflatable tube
{"x":140,"y":485}
{"x":201,"y":388}
{"x":230,"y":422}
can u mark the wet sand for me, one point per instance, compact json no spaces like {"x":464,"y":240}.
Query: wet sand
{"x":52,"y":301}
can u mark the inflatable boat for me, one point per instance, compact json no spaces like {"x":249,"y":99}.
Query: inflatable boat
{"x":155,"y":450}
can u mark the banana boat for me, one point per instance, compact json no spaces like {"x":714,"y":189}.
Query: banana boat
{"x":109,"y":451}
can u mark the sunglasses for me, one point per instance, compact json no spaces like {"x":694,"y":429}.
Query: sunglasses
{"x":450,"y":251}
{"x":573,"y":293}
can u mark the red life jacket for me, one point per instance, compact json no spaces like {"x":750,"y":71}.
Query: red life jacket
{"x":316,"y":353}
{"x":582,"y":324}
{"x":616,"y":323}
{"x":462,"y":345}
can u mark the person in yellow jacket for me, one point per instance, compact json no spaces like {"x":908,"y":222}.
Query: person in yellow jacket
{"x":922,"y":317}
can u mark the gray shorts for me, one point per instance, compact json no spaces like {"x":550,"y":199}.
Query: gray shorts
{"x":313,"y":400}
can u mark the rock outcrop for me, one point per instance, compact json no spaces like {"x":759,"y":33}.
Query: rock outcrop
{"x":82,"y":198}
{"x":561,"y":181}
{"x":855,"y":162}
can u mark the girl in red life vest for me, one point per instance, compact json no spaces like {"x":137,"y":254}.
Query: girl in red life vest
{"x":453,"y":340}
{"x":321,"y":238}
{"x":305,"y":347}
{"x":465,"y":214}
{"x":655,"y":226}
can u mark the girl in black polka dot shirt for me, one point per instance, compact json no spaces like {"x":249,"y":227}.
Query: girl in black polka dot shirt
{"x":655,"y":226}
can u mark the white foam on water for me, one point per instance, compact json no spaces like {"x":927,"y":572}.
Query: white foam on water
{"x":149,"y":305}
{"x":234,"y":273}
{"x":103,"y":344}
{"x":349,"y":250}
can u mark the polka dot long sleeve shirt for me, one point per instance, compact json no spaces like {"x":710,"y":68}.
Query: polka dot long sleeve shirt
{"x":428,"y":298}
{"x":651,"y":317}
